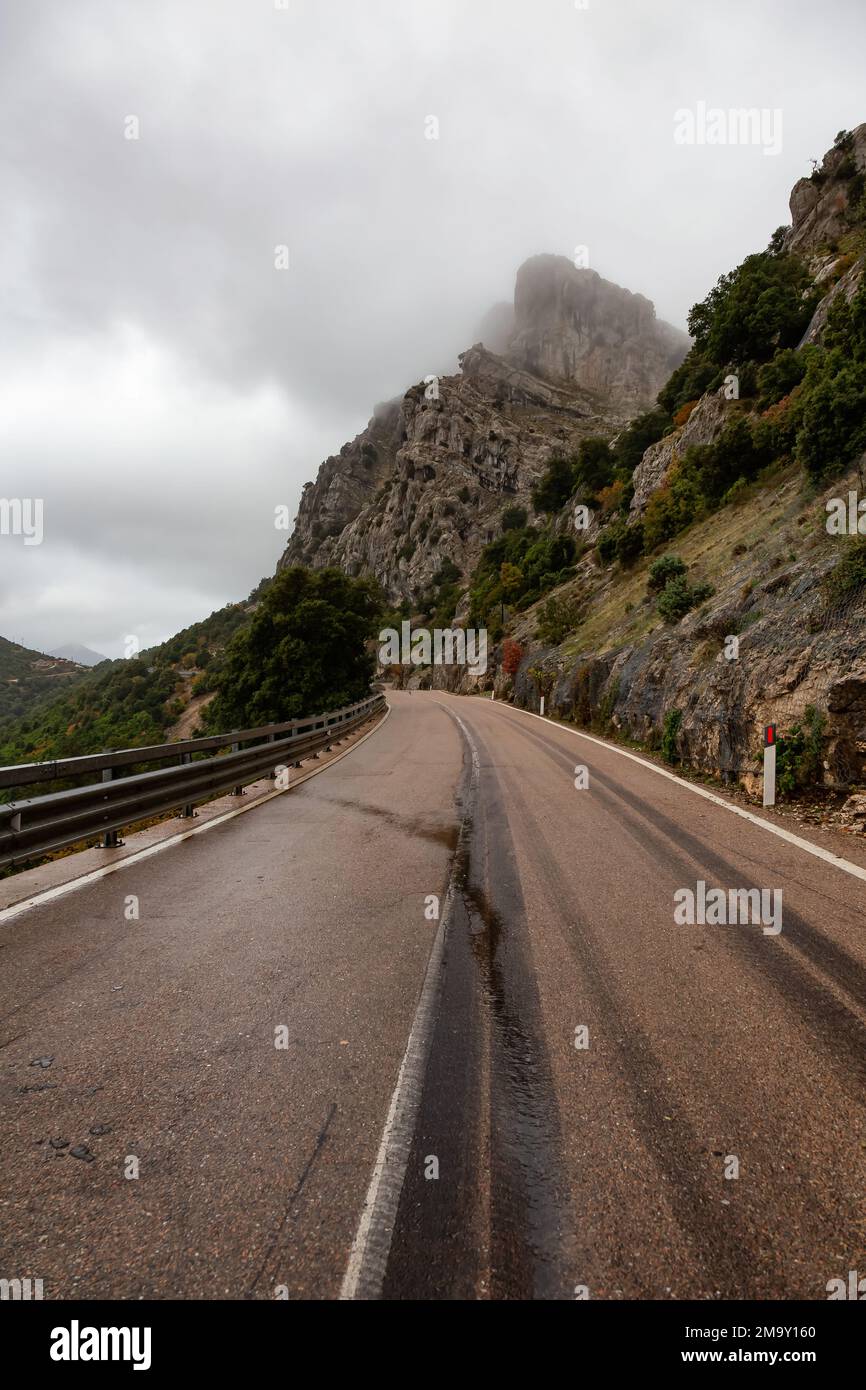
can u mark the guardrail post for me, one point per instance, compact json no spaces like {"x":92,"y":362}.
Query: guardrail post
{"x":110,"y":839}
{"x":188,"y":812}
{"x":237,"y":791}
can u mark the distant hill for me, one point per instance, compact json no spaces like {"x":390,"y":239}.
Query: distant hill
{"x":27,"y":677}
{"x":82,"y":656}
{"x":120,"y":704}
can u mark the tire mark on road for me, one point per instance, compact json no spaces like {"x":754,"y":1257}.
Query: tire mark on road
{"x":293,"y":1196}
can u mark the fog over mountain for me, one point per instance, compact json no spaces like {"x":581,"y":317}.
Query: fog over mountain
{"x":166,"y":385}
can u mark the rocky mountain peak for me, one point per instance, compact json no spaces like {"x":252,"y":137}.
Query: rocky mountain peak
{"x":572,"y":325}
{"x":428,"y":479}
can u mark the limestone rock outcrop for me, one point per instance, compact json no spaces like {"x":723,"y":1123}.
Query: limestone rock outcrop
{"x":820,"y":204}
{"x":430,"y":476}
{"x":703,"y":426}
{"x":571,"y":325}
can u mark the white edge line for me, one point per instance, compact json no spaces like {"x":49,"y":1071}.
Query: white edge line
{"x":73,"y":884}
{"x":368,"y":1257}
{"x":856,"y":870}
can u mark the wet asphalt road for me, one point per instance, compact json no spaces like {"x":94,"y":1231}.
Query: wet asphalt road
{"x":711,"y":1048}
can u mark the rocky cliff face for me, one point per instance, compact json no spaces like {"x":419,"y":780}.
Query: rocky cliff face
{"x":570,"y":325}
{"x":429,"y":477}
{"x":820,"y":204}
{"x":703,"y":426}
{"x":821,"y":209}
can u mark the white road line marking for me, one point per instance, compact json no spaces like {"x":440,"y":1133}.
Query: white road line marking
{"x":61,"y":889}
{"x":856,"y":870}
{"x":368,"y":1258}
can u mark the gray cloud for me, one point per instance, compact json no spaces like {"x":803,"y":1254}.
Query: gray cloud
{"x":164,"y":386}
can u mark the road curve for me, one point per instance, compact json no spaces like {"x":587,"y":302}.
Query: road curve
{"x":704,"y":1139}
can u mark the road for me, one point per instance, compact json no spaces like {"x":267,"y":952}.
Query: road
{"x":600,"y":1102}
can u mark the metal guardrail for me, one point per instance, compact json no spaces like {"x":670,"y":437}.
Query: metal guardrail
{"x":31,"y":827}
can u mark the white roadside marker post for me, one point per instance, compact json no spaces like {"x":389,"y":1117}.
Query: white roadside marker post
{"x":542,"y":706}
{"x":770,"y":765}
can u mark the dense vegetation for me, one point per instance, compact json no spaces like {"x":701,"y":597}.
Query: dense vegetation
{"x":515,"y":570}
{"x":753,"y":312}
{"x":438,"y":602}
{"x":304,"y":651}
{"x":557,"y":617}
{"x":585,"y":477}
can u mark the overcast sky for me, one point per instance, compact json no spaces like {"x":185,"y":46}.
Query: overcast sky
{"x":164,"y":386}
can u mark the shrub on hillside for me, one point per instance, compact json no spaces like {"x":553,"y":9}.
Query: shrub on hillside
{"x":556,"y":619}
{"x":846,"y":582}
{"x":683,"y":414}
{"x":800,"y":753}
{"x":672,"y":507}
{"x":665,"y":568}
{"x":779,"y":376}
{"x":512,"y":655}
{"x":679,"y":597}
{"x":670,"y":729}
{"x":514,"y":519}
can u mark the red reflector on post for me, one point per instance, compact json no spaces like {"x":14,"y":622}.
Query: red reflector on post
{"x":769,"y":735}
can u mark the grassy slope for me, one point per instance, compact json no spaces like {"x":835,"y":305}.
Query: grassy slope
{"x":780,"y":520}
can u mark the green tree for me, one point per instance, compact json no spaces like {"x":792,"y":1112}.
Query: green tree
{"x":679,"y":597}
{"x":645,"y":430}
{"x":304,"y":652}
{"x":779,"y":376}
{"x":832,"y":431}
{"x":661,"y":570}
{"x":510,"y":580}
{"x":763,"y":305}
{"x":556,"y":619}
{"x":594,"y":466}
{"x":555,"y":486}
{"x":513,"y":519}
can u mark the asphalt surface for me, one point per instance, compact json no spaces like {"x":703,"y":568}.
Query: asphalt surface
{"x":712,"y":1049}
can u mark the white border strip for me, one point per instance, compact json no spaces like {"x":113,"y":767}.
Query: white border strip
{"x":368,"y":1258}
{"x":61,"y":889}
{"x":829,"y":858}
